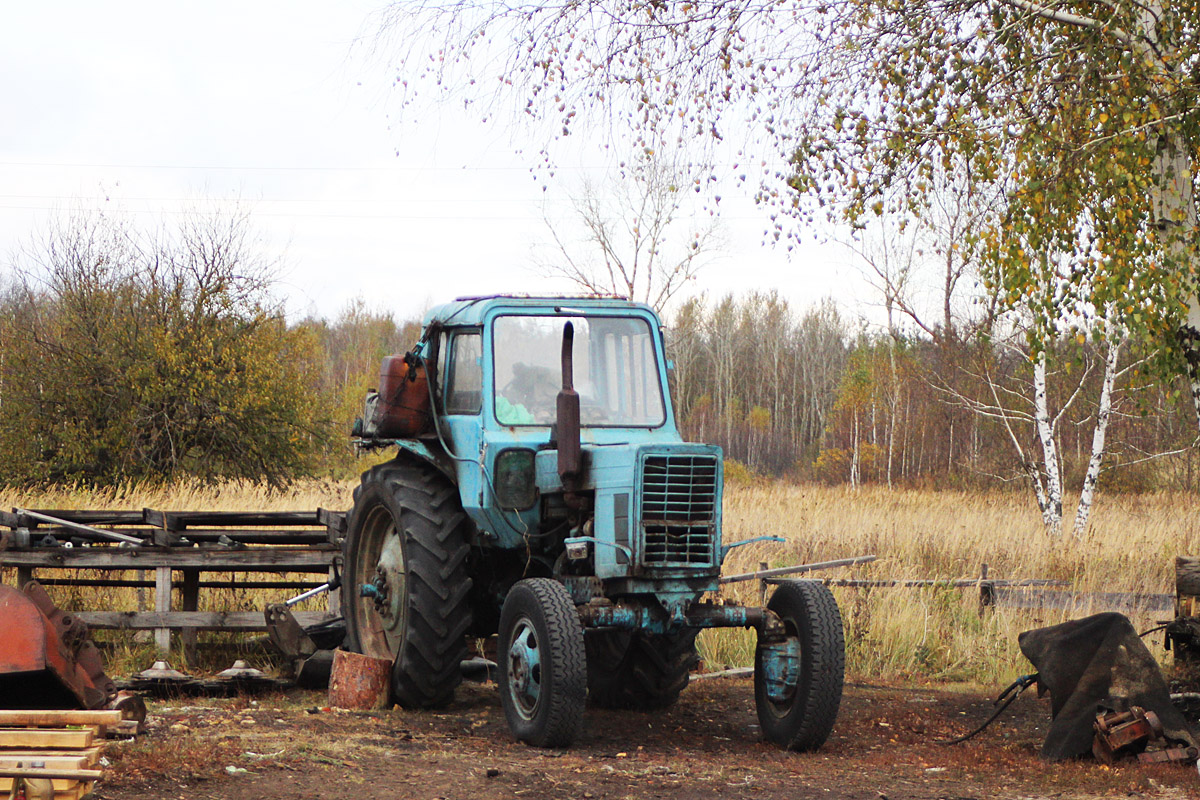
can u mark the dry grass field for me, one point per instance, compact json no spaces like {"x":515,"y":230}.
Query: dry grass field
{"x":902,"y":643}
{"x":935,"y":634}
{"x":938,"y":633}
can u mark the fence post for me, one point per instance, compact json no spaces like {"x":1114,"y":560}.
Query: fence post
{"x":987,"y":590}
{"x":190,"y":600}
{"x":162,"y":604}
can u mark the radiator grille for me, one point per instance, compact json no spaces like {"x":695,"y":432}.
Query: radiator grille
{"x":678,"y":510}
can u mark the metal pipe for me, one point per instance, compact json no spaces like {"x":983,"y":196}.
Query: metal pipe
{"x":771,"y":573}
{"x":79,"y":527}
{"x":300,"y":598}
{"x":644,"y":618}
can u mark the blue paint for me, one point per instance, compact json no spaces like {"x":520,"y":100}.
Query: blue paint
{"x":780,"y":668}
{"x":653,"y":620}
{"x":652,"y":501}
{"x":525,"y":669}
{"x":769,"y":538}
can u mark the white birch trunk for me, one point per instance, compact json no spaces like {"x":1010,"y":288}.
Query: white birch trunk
{"x":1172,"y":197}
{"x":1052,"y":502}
{"x":1103,"y":414}
{"x":854,"y":454}
{"x":1174,"y":205}
{"x":894,"y":407}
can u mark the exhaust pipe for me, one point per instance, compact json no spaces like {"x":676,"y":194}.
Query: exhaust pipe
{"x":570,"y":456}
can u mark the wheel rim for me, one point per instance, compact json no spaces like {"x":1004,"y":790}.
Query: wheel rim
{"x":380,"y":561}
{"x":524,"y":669}
{"x":781,"y":668}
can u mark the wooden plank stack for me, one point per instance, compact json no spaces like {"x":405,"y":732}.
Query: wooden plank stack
{"x":59,"y":745}
{"x":1187,"y":586}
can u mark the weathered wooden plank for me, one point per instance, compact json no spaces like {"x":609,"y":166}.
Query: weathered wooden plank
{"x":189,"y":600}
{"x":335,"y":521}
{"x":292,"y":536}
{"x":1187,"y":576}
{"x":162,"y":605}
{"x":50,"y":719}
{"x":120,"y":583}
{"x":241,"y":535}
{"x":1126,"y":602}
{"x":14,"y":758}
{"x":86,"y":517}
{"x":183,"y":520}
{"x":64,"y":774}
{"x":89,"y":755}
{"x":45,"y":737}
{"x":316,"y":558}
{"x":197,"y":620}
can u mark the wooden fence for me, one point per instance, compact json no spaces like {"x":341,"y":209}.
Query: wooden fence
{"x":177,"y":548}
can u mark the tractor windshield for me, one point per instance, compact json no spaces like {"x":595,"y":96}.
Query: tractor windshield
{"x":615,"y":371}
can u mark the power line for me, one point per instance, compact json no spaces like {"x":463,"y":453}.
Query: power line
{"x":293,"y":168}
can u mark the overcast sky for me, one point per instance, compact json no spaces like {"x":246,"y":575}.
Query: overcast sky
{"x":146,"y":108}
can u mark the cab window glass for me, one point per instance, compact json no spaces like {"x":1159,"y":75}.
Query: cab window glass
{"x":464,"y":379}
{"x":615,"y":370}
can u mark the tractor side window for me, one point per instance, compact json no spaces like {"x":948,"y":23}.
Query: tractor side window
{"x":443,"y":347}
{"x":464,"y":381}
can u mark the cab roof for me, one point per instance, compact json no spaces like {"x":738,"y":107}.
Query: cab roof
{"x":473,"y":310}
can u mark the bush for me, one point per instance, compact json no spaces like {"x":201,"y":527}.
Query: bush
{"x":131,"y":357}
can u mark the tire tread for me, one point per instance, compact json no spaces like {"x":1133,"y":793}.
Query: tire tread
{"x":819,"y":693}
{"x":427,"y":668}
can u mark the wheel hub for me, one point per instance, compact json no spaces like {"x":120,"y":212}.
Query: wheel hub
{"x":524,"y":669}
{"x":389,"y":585}
{"x":781,"y":669}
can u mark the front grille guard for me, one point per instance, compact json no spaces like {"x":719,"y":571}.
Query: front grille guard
{"x":678,"y":508}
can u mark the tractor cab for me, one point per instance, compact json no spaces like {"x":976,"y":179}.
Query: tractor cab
{"x":554,"y":414}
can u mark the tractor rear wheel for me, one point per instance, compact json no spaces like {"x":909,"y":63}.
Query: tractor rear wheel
{"x":543,"y":663}
{"x":798,"y":680}
{"x":640,"y":671}
{"x":406,"y":542}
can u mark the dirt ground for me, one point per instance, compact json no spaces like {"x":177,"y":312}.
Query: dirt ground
{"x":280,"y":747}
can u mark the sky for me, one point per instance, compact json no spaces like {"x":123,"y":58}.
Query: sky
{"x":151,"y":109}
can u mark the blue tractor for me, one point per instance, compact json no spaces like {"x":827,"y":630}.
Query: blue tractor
{"x":541,"y":492}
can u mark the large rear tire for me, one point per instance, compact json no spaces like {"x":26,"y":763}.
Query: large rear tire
{"x":543,"y":664}
{"x":639,"y":671}
{"x":407,"y":537}
{"x":798,"y":681}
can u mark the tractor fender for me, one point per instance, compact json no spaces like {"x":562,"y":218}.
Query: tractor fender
{"x":434,"y":455}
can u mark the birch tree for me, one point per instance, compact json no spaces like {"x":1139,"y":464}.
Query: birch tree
{"x":1082,"y":112}
{"x":1023,"y":402}
{"x":632,"y":236}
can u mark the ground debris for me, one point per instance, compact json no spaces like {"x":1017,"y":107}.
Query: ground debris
{"x":702,"y":748}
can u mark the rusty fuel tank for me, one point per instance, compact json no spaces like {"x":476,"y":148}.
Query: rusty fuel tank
{"x":404,"y":408}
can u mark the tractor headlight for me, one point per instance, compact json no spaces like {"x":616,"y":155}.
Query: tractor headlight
{"x":515,"y":484}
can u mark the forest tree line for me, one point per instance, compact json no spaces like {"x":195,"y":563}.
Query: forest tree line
{"x":809,"y":393}
{"x":129,"y":357}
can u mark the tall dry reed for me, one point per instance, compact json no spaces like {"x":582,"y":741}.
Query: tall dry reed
{"x":935,"y":633}
{"x":939,"y":632}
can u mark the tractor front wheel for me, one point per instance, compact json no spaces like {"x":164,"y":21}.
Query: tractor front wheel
{"x":798,"y":678}
{"x":543,"y":669}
